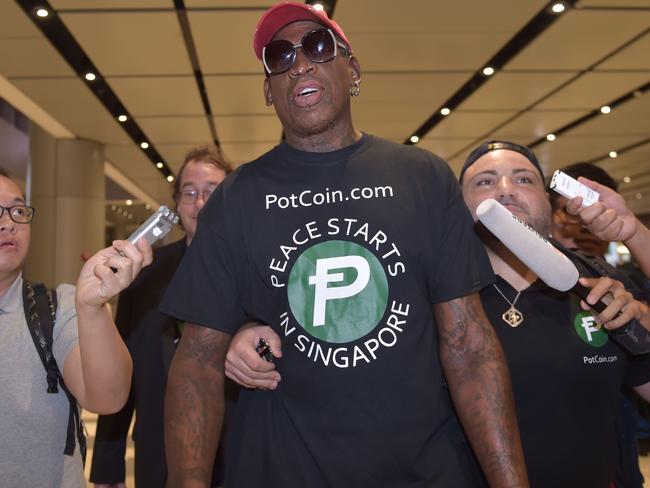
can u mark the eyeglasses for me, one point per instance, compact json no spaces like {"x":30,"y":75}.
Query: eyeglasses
{"x":319,"y":46}
{"x":21,"y":214}
{"x":191,"y":196}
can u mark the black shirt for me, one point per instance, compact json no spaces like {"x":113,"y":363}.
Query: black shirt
{"x":342,"y":253}
{"x":567,"y":377}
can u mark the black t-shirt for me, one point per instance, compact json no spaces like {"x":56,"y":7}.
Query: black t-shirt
{"x":567,"y":377}
{"x":342,"y":253}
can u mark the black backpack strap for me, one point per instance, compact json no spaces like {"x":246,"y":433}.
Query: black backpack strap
{"x":40,"y":312}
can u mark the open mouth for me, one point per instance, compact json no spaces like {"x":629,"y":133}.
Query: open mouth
{"x":307,"y":95}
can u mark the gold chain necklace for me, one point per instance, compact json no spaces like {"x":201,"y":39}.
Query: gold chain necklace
{"x":512,"y":316}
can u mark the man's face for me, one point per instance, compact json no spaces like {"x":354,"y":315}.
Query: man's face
{"x":14,"y":238}
{"x":202,"y":178}
{"x":569,"y":231}
{"x":513,"y":181}
{"x":325,"y":107}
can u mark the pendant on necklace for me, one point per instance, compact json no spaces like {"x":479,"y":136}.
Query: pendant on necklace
{"x":512,"y":317}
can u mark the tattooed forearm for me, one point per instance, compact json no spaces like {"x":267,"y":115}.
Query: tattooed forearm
{"x":480,"y":387}
{"x":194,"y":406}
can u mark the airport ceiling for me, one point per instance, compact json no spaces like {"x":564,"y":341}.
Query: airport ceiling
{"x":184,"y":73}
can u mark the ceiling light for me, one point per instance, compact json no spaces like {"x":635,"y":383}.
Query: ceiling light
{"x":170,"y":178}
{"x":639,"y":196}
{"x":558,"y":7}
{"x":318,"y":6}
{"x":613,"y":154}
{"x":414,"y":139}
{"x":144,"y":145}
{"x":90,"y":76}
{"x":129,"y":202}
{"x":159,"y":165}
{"x":550,"y":137}
{"x":147,"y":206}
{"x":488,"y":71}
{"x":122,"y":118}
{"x":41,"y":12}
{"x":130,"y":216}
{"x":626,"y":179}
{"x":605,"y":109}
{"x":445,"y":111}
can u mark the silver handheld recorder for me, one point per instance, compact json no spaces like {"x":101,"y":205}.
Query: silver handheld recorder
{"x":155,"y":227}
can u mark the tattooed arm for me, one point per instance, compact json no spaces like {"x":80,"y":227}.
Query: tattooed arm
{"x":194,"y":406}
{"x":480,"y":387}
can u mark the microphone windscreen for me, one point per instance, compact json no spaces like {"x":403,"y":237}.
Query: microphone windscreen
{"x":549,"y":264}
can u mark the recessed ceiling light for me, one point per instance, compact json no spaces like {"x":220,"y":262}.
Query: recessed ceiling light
{"x":159,"y":165}
{"x":318,"y":6}
{"x":488,"y":71}
{"x":144,"y":145}
{"x":613,"y":154}
{"x":41,"y":12}
{"x":90,"y":76}
{"x":550,"y":137}
{"x":122,"y":118}
{"x":605,"y":109}
{"x":170,"y":178}
{"x":558,"y":7}
{"x":445,"y":111}
{"x":626,"y":179}
{"x":129,"y":202}
{"x":639,"y":196}
{"x":414,"y":139}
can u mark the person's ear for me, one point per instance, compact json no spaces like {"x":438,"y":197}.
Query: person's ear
{"x":268,"y":97}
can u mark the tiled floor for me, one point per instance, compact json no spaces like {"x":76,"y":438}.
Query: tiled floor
{"x":91,"y":426}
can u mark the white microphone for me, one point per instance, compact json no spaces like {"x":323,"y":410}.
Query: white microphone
{"x":552,"y":266}
{"x":549,"y":264}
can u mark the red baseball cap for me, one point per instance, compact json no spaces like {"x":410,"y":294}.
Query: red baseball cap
{"x":275,"y":18}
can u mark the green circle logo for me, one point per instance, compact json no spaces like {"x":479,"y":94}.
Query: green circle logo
{"x":338,"y":291}
{"x":589,"y":330}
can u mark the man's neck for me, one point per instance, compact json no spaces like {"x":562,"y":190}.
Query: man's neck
{"x":509,"y":267}
{"x":6,"y":280}
{"x":324,"y":142}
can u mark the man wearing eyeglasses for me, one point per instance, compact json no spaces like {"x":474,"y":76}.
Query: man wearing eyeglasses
{"x":94,"y":363}
{"x":343,"y":243}
{"x":151,"y":338}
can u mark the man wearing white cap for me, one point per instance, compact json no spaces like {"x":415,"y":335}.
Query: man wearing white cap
{"x":361,"y":254}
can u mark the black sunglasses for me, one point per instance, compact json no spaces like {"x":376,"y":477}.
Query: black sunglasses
{"x":319,"y":46}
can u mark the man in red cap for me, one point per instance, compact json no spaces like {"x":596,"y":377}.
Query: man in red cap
{"x":361,"y":255}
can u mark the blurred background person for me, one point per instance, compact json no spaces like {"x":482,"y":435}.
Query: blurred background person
{"x":151,"y":338}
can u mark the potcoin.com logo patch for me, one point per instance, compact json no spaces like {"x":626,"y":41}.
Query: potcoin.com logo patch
{"x":589,"y":330}
{"x":338,"y":291}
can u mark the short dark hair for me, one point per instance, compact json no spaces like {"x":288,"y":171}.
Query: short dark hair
{"x":201,"y":154}
{"x":5,"y":173}
{"x":588,"y":170}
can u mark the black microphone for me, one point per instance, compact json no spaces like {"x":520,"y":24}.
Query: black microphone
{"x":552,"y":267}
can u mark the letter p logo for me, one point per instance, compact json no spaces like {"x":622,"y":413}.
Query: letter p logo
{"x":340,"y":285}
{"x":321,"y":280}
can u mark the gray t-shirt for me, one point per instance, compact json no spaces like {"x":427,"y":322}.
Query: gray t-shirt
{"x":33,"y":422}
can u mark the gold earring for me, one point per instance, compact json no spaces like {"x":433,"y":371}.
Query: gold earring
{"x":355,"y":88}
